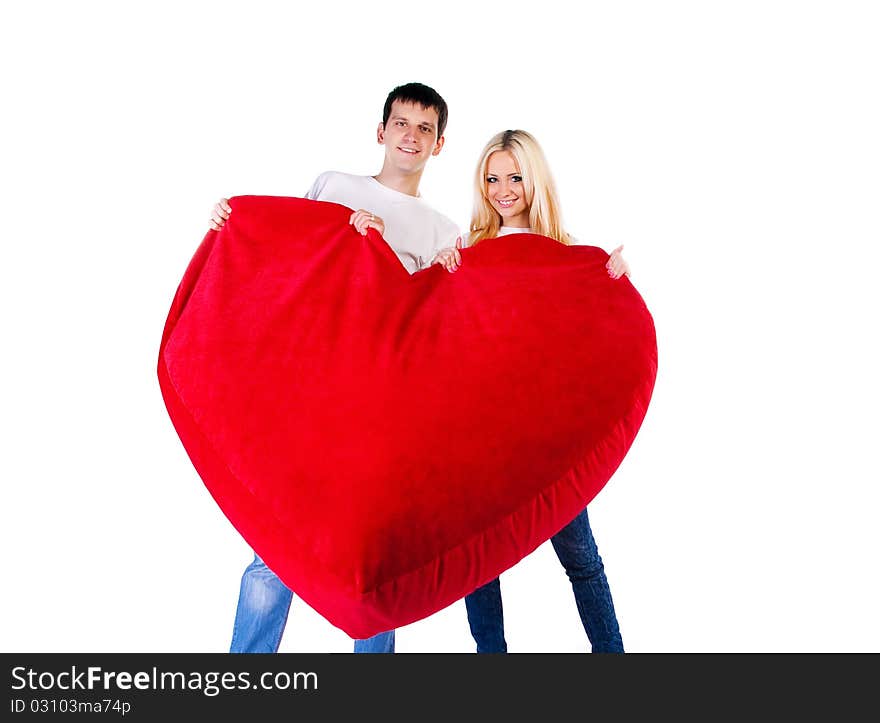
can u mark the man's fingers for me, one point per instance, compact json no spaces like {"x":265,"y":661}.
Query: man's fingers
{"x":222,"y":208}
{"x":362,"y":220}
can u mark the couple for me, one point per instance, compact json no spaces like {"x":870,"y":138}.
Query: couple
{"x":514,"y":193}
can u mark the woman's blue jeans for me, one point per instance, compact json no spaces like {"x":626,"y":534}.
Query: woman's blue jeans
{"x":577,"y":551}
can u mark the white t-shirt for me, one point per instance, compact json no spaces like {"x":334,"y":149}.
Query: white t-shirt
{"x":507,"y":230}
{"x":413,"y":230}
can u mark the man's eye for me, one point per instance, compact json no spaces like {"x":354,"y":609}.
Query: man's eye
{"x":401,"y":123}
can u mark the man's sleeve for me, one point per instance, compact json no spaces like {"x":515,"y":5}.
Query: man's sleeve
{"x":315,"y":190}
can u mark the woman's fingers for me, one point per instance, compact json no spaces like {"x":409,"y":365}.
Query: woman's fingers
{"x":616,"y":265}
{"x":449,"y":259}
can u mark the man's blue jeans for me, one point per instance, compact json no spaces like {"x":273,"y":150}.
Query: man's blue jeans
{"x":263,"y":605}
{"x":577,"y":551}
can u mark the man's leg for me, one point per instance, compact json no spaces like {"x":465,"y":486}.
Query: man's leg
{"x":577,"y":551}
{"x":263,"y":604}
{"x":381,"y":643}
{"x":486,"y":617}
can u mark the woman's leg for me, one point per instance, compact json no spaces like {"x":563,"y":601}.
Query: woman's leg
{"x":577,"y":551}
{"x":486,"y":617}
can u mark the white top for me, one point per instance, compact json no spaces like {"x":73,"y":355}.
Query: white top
{"x":503,"y":231}
{"x":507,"y":230}
{"x":413,"y":230}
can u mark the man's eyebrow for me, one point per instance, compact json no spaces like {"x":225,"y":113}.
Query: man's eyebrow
{"x":404,"y":118}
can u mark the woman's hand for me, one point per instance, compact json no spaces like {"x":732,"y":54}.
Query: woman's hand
{"x":362,"y":220}
{"x":220,"y":213}
{"x":449,"y":259}
{"x":616,"y":264}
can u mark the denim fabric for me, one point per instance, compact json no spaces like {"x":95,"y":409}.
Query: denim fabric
{"x":263,"y":605}
{"x":577,"y":551}
{"x":381,"y":643}
{"x":486,"y":617}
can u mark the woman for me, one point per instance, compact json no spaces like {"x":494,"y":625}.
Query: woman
{"x":514,"y":192}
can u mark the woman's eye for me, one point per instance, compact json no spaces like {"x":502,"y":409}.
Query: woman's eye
{"x":517,"y":179}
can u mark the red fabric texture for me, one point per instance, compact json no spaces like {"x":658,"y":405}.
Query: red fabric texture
{"x":386,"y":442}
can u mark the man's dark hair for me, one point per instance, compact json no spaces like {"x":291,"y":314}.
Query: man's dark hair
{"x":424,"y":96}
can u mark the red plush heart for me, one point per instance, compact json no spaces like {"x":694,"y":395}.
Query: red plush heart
{"x":386,"y":442}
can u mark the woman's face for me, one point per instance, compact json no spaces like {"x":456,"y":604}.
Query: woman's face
{"x":505,"y":189}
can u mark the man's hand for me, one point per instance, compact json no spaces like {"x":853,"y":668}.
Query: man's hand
{"x":362,"y":220}
{"x":220,"y":213}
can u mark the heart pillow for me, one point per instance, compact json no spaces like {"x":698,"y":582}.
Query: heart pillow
{"x":385,"y":442}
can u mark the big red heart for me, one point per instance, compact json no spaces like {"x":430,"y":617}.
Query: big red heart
{"x":386,"y":442}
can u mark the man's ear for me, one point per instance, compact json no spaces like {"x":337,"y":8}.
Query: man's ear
{"x":438,"y":146}
{"x":380,"y":134}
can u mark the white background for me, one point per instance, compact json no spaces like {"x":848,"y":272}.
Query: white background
{"x":733,"y":147}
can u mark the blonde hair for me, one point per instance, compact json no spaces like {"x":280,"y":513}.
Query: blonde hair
{"x":545,"y":217}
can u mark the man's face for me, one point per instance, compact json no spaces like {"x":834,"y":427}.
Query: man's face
{"x":410,"y":136}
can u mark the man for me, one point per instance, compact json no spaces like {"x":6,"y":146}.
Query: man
{"x":413,"y":121}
